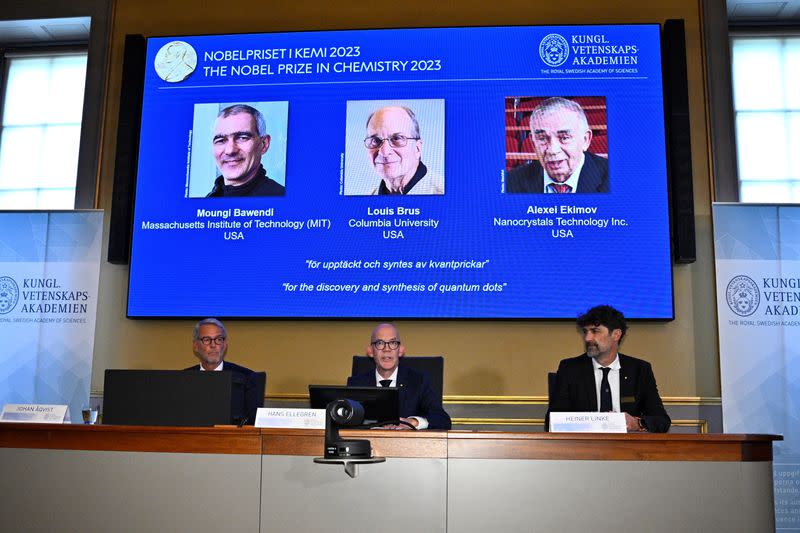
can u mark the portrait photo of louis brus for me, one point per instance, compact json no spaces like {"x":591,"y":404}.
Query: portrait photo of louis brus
{"x":394,"y":148}
{"x":556,"y":145}
{"x":238,"y":149}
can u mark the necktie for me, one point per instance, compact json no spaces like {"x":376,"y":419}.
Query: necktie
{"x":386,"y":383}
{"x":560,"y":188}
{"x":605,"y":392}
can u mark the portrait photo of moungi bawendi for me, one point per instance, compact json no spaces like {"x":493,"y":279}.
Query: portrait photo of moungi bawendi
{"x":238,"y":149}
{"x":556,"y":145}
{"x":394,"y":148}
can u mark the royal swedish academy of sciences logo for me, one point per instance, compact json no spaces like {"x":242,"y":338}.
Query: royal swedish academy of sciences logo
{"x":554,"y":50}
{"x":175,"y":61}
{"x":742,"y":295}
{"x":9,"y":294}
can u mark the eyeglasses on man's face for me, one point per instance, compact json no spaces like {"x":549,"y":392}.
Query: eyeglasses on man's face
{"x":381,"y":344}
{"x":208,"y":341}
{"x":396,"y":140}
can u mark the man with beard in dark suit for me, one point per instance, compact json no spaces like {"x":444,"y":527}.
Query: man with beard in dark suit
{"x":420,"y":406}
{"x":210,"y":344}
{"x":561,"y":137}
{"x":602,"y":379}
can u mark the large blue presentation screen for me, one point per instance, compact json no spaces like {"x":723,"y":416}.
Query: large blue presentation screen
{"x":500,"y":172}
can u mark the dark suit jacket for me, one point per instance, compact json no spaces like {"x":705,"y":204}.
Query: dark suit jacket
{"x":246,"y":394}
{"x":576,"y":390}
{"x":530,"y":178}
{"x":416,"y":396}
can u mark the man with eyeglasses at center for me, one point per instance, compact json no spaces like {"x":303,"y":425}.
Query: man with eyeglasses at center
{"x":394,"y":148}
{"x":420,"y":406}
{"x":210,"y":343}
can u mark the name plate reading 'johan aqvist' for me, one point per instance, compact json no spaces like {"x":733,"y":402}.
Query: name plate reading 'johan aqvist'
{"x":588,"y":422}
{"x":39,"y":414}
{"x":271,"y":417}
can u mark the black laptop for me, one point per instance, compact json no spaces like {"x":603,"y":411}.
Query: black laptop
{"x":167,"y":398}
{"x":381,"y":404}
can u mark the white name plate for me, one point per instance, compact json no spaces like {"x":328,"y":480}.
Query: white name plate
{"x":32,"y":413}
{"x":588,"y":422}
{"x":275,"y":417}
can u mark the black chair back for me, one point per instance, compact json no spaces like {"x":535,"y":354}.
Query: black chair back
{"x":433,"y":366}
{"x":551,"y":389}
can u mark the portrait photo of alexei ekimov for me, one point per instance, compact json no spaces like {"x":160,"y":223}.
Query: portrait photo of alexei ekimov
{"x":561,"y":140}
{"x":394,"y":148}
{"x":238,"y":149}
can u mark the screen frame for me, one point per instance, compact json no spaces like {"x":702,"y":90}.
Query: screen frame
{"x":665,"y":82}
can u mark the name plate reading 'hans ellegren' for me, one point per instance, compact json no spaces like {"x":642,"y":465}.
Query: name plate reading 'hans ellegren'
{"x":588,"y":422}
{"x":272,"y":417}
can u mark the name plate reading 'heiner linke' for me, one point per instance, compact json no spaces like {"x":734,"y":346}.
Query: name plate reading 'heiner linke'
{"x":588,"y":422}
{"x":39,"y":414}
{"x":273,"y":417}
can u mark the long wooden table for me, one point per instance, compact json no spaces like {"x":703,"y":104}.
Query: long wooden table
{"x":123,"y":478}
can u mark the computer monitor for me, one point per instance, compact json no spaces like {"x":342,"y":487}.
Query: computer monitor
{"x":381,"y":404}
{"x":167,"y":398}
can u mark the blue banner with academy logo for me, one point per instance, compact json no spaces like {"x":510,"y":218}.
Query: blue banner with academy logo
{"x":49,"y":272}
{"x":758,"y":308}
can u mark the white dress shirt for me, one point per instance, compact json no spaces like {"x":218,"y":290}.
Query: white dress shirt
{"x":572,"y":181}
{"x":379,"y":378}
{"x":613,"y":381}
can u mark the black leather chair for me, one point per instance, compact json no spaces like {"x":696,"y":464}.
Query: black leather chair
{"x":551,"y":389}
{"x":247,"y":389}
{"x":433,"y":366}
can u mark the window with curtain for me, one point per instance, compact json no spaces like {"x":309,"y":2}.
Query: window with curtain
{"x":42,"y":104}
{"x":766,"y":101}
